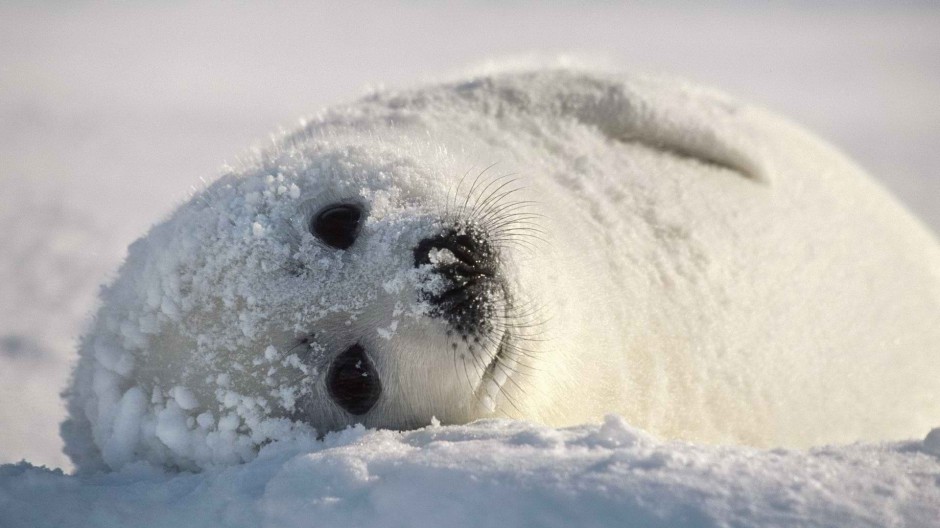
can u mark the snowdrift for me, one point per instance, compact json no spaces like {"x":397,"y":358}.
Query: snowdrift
{"x":499,"y":473}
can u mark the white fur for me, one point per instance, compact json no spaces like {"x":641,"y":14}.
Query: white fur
{"x":704,"y":268}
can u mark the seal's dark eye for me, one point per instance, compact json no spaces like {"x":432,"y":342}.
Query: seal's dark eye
{"x":337,"y":225}
{"x":353,"y":382}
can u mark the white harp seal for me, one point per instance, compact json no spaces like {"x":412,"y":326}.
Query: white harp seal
{"x":551,"y":245}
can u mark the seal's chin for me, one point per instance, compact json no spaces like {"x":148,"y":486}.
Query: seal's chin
{"x":496,"y":374}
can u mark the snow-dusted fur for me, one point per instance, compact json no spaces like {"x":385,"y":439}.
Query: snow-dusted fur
{"x":705,"y":269}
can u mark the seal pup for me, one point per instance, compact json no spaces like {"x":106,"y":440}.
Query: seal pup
{"x":551,"y":245}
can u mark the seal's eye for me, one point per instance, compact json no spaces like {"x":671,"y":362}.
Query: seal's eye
{"x":337,"y":225}
{"x":353,"y":382}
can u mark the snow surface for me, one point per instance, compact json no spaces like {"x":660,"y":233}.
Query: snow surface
{"x":108,"y":114}
{"x":497,"y":473}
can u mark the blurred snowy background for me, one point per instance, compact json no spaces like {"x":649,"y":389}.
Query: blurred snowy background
{"x":111,"y":114}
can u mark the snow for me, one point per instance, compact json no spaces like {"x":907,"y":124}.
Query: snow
{"x":108,"y":119}
{"x":497,"y":473}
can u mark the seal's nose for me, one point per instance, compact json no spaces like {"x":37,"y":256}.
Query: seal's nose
{"x":465,"y":253}
{"x":353,"y":382}
{"x":467,"y":263}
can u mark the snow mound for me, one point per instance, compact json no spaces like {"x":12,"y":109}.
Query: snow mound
{"x":497,"y":473}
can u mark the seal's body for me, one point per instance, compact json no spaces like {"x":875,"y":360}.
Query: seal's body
{"x":547,"y":245}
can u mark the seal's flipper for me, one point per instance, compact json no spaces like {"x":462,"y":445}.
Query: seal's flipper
{"x":681,"y":119}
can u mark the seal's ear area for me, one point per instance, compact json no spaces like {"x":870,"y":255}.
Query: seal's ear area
{"x":665,"y":114}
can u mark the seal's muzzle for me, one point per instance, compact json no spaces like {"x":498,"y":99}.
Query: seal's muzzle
{"x":466,"y":261}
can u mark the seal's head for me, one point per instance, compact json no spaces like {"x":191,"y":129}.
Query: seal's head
{"x":415,"y":321}
{"x":324,"y":285}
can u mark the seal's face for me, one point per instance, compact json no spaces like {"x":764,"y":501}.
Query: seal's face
{"x":349,"y":287}
{"x":432,"y":343}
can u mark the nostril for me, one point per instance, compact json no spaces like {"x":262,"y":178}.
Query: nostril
{"x":463,"y":282}
{"x":353,"y":382}
{"x":471,"y":252}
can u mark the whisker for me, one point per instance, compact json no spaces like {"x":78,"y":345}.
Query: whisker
{"x":473,"y":186}
{"x":493,"y":197}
